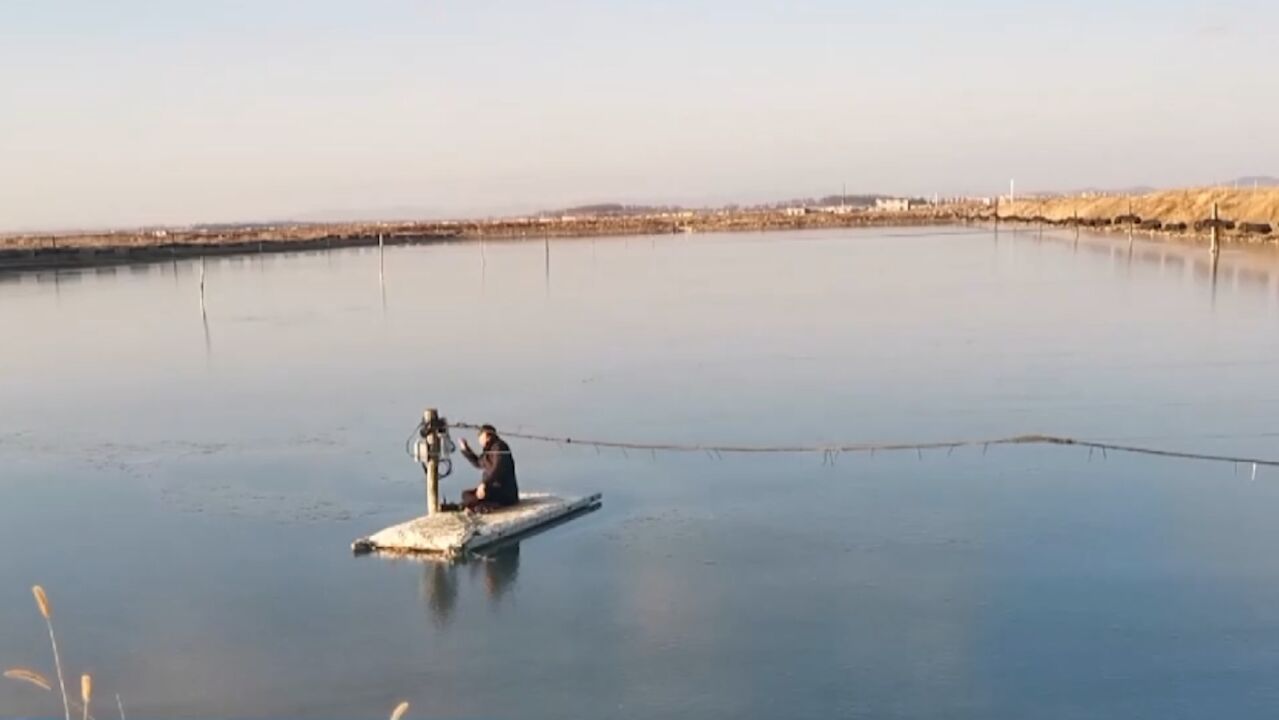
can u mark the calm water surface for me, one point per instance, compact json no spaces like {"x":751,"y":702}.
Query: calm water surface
{"x":186,"y":486}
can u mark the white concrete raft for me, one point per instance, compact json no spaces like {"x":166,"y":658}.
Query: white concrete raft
{"x":455,"y":533}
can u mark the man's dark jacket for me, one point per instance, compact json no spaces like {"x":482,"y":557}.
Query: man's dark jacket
{"x":497,"y":471}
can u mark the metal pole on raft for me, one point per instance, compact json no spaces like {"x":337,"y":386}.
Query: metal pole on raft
{"x":430,"y":418}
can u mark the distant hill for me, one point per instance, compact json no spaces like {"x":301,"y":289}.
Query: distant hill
{"x":850,"y":200}
{"x":861,"y":201}
{"x":611,"y":210}
{"x":236,"y":226}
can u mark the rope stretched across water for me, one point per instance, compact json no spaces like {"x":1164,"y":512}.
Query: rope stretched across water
{"x":829,"y":451}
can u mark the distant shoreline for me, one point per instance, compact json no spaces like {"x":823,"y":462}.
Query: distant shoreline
{"x":1172,"y":215}
{"x":26,"y":253}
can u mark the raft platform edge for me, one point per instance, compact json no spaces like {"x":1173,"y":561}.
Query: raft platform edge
{"x":454,"y":534}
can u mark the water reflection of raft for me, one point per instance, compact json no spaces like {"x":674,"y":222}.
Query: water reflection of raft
{"x":455,"y":533}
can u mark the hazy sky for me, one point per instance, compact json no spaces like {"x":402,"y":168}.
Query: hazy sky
{"x":131,"y":112}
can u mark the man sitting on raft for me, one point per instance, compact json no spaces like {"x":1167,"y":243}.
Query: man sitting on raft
{"x":497,"y":486}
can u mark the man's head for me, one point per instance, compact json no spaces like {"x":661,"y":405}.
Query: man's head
{"x":487,"y":434}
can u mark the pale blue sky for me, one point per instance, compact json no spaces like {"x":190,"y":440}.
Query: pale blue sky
{"x":132,"y":112}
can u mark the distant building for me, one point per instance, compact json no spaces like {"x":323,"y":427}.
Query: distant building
{"x":892,"y":204}
{"x":836,"y":209}
{"x":795,"y":211}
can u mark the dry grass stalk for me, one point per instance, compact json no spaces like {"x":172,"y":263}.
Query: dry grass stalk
{"x":119,"y":705}
{"x":42,"y":602}
{"x":86,"y":693}
{"x":400,"y":710}
{"x":28,"y":676}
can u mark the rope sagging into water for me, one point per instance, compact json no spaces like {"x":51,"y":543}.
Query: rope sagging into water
{"x":829,"y":451}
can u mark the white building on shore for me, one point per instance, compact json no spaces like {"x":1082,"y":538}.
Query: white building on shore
{"x":893,"y":204}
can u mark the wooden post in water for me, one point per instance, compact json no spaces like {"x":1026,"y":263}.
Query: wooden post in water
{"x":381,"y":271}
{"x":431,"y":419}
{"x":1130,"y":217}
{"x":1216,"y":229}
